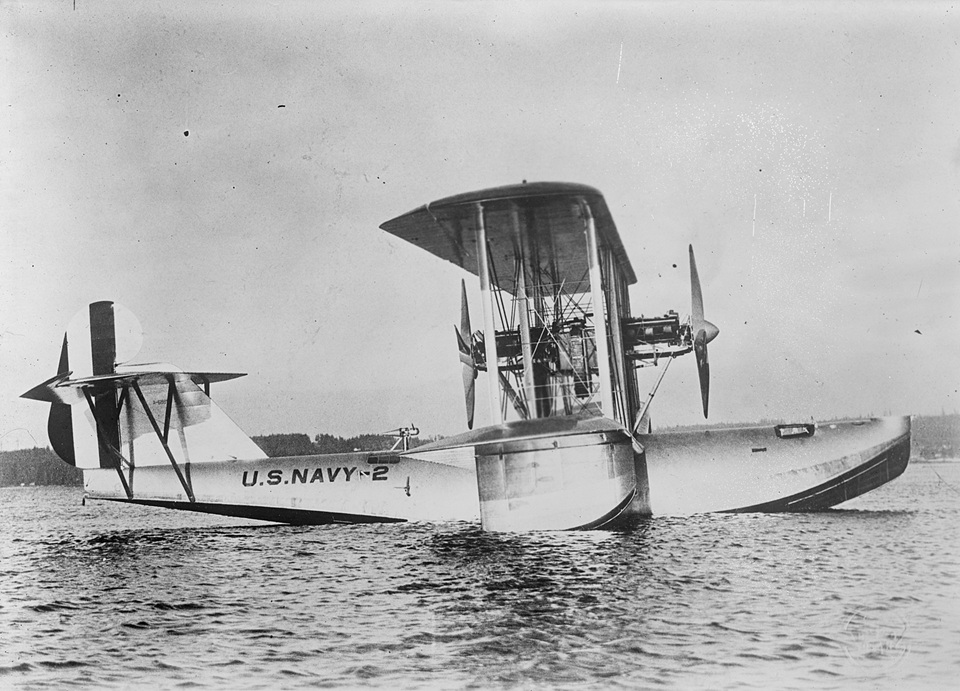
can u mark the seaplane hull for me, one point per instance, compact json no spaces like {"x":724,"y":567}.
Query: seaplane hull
{"x":304,"y":490}
{"x":583,"y":483}
{"x":755,"y":469}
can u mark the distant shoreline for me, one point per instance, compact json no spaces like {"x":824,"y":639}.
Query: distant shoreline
{"x":935,"y":440}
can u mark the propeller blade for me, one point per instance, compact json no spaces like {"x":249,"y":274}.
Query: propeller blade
{"x":703,"y":367}
{"x":469,"y":374}
{"x":466,"y":355}
{"x":697,"y":320}
{"x":704,"y":332}
{"x":469,"y":392}
{"x":696,"y":311}
{"x":464,"y":310}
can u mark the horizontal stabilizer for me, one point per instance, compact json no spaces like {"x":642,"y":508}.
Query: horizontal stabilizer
{"x":62,"y":389}
{"x":163,"y":415}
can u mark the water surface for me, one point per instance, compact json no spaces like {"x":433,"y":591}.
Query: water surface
{"x":105,"y":595}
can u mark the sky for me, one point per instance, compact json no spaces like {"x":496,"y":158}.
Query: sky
{"x":221,"y":171}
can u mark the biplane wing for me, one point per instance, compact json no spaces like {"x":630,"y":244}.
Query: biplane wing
{"x":554,"y":247}
{"x":559,"y":347}
{"x":542,"y":221}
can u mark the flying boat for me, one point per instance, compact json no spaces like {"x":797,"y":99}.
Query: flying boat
{"x":570,"y":443}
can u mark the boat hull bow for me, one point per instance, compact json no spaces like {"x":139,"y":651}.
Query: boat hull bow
{"x":804,"y":467}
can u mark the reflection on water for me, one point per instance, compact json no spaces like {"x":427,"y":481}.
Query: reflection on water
{"x":107,"y":595}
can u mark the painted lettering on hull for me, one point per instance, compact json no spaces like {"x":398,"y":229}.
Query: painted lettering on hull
{"x":309,"y":476}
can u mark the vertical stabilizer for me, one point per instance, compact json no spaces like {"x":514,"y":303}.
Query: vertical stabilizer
{"x":103,"y":347}
{"x":103,"y":337}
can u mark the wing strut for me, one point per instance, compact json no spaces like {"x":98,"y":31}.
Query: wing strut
{"x":162,"y":435}
{"x":529,"y":389}
{"x":599,"y":313}
{"x":490,"y":342}
{"x":102,"y":438}
{"x":642,"y":422}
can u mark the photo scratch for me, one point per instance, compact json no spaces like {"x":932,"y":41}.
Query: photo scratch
{"x":620,"y":62}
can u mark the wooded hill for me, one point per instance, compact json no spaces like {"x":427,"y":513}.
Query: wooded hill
{"x":298,"y":444}
{"x":36,"y":466}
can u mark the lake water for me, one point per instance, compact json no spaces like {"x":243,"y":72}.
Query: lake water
{"x":106,"y":595}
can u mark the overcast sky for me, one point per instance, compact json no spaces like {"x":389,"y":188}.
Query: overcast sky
{"x":222,"y":170}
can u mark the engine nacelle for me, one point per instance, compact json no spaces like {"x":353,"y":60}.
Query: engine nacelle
{"x":649,"y":338}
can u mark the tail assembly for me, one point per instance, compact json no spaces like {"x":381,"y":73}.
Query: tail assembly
{"x":129,"y":416}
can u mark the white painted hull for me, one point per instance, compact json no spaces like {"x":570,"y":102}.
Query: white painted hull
{"x":748,"y":469}
{"x":340,"y":488}
{"x":751,"y":469}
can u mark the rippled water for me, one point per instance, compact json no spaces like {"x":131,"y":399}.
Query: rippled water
{"x":117,"y":596}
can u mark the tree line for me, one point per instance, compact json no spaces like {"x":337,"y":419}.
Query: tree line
{"x":36,"y":466}
{"x":933,"y":437}
{"x":299,"y":444}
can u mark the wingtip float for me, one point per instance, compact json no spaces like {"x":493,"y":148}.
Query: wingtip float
{"x":566,"y":448}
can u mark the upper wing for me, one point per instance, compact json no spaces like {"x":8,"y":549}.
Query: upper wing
{"x":543,"y":222}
